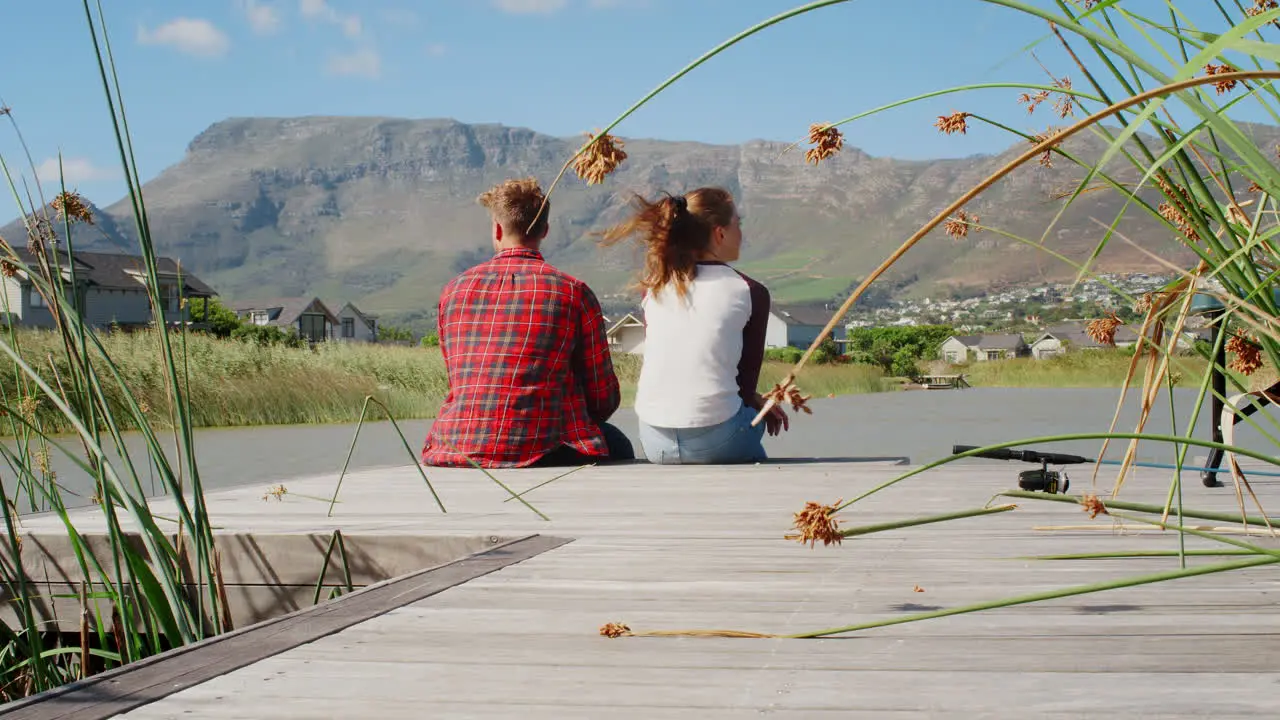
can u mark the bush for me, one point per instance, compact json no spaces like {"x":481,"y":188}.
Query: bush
{"x":790,"y":355}
{"x":904,"y":364}
{"x":266,"y":335}
{"x":430,"y":340}
{"x":897,"y":348}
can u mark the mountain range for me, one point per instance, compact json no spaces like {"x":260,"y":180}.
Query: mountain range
{"x":382,"y":211}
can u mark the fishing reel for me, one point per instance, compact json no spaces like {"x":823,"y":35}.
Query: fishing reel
{"x":1041,"y":479}
{"x":1044,"y":480}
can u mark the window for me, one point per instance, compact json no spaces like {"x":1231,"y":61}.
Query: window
{"x":995,"y":354}
{"x":259,"y":318}
{"x":37,"y":300}
{"x":169,"y":293}
{"x":348,"y":327}
{"x":313,"y":327}
{"x":953,"y":357}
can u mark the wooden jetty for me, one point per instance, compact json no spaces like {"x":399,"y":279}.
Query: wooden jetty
{"x":513,"y":631}
{"x":943,"y":382}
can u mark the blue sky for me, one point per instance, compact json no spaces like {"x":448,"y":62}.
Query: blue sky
{"x":556,"y":66}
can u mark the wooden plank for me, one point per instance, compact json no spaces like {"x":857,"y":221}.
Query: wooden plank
{"x":143,"y":682}
{"x":702,"y":547}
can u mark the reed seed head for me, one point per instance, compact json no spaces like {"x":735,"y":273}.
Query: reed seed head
{"x":917,"y":588}
{"x":1175,"y":210}
{"x":1033,"y":100}
{"x":1261,"y":6}
{"x":953,"y":123}
{"x":1144,"y":303}
{"x":5,"y":110}
{"x":817,"y":522}
{"x":71,"y":205}
{"x":8,"y":268}
{"x":789,"y":393}
{"x":1103,"y":330}
{"x":1222,"y":86}
{"x":1064,"y":104}
{"x":1253,"y":188}
{"x":601,"y":158}
{"x":28,"y":406}
{"x":278,"y":492}
{"x":1093,"y":505}
{"x":614,"y":630}
{"x":957,"y":226}
{"x":1046,"y":158}
{"x":826,"y":140}
{"x":1248,"y":356}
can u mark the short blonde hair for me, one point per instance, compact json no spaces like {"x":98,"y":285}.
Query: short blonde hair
{"x":518,"y":205}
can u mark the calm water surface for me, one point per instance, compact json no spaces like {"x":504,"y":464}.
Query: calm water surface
{"x":921,"y":426}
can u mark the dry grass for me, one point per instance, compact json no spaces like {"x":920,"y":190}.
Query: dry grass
{"x":235,"y":383}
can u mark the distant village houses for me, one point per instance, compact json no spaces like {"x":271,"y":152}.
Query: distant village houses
{"x":311,"y":319}
{"x":963,"y":348}
{"x":110,"y":290}
{"x":795,"y":325}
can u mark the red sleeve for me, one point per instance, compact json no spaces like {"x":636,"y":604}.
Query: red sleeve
{"x":593,"y":361}
{"x":753,"y":337}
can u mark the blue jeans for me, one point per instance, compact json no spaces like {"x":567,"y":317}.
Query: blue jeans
{"x":732,"y":441}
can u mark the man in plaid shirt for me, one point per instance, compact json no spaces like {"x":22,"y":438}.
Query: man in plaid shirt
{"x":531,"y":379}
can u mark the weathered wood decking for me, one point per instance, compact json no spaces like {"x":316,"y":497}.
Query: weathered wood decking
{"x":682,"y":548}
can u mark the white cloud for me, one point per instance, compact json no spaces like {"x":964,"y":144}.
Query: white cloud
{"x":361,"y":63}
{"x":264,"y":19}
{"x":530,"y":7}
{"x":436,"y":49}
{"x":194,"y":36}
{"x":75,"y":170}
{"x":321,"y":10}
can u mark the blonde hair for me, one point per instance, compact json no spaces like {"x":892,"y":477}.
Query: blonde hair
{"x":675,"y":230}
{"x":519,"y":206}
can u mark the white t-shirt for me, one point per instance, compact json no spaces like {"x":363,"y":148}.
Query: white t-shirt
{"x":702,"y":353}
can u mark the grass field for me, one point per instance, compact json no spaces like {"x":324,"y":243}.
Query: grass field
{"x":1104,"y":368}
{"x":233,"y":383}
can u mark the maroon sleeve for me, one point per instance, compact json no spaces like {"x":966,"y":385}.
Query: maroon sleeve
{"x":593,"y":360}
{"x":753,"y":336}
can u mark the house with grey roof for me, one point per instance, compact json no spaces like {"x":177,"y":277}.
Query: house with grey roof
{"x":110,"y":290}
{"x":355,"y":325}
{"x":1066,"y":337}
{"x":963,"y":348}
{"x":310,"y":318}
{"x":795,"y":325}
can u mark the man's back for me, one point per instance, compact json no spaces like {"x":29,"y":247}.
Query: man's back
{"x":529,"y":366}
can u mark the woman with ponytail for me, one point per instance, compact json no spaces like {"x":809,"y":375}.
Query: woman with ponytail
{"x":704,"y":333}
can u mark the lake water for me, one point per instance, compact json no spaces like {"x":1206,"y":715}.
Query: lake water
{"x":921,"y":426}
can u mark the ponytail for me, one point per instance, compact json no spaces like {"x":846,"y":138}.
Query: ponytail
{"x":675,"y":231}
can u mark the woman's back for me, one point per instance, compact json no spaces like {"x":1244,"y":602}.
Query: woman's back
{"x":693,"y":349}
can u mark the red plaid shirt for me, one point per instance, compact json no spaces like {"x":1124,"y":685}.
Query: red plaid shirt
{"x":529,"y":365}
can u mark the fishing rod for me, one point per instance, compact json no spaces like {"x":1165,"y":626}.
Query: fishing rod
{"x":1052,"y":481}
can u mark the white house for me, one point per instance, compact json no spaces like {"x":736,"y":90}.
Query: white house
{"x":110,"y":290}
{"x":356,"y":326}
{"x":795,"y":325}
{"x":627,"y":335}
{"x":962,"y":348}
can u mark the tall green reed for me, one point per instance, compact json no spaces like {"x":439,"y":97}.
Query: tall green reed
{"x":159,"y":578}
{"x":1163,"y":100}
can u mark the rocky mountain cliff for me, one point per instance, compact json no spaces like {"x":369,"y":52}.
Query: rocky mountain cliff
{"x":382,"y":210}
